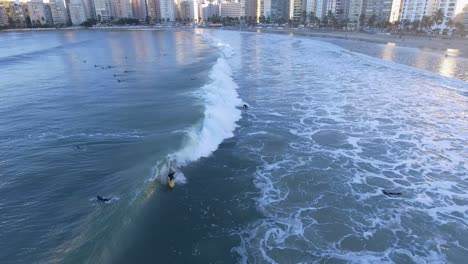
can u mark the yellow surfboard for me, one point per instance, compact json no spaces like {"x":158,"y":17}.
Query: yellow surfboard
{"x":171,"y":183}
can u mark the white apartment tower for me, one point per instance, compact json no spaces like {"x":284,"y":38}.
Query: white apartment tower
{"x":139,"y":9}
{"x":154,"y":10}
{"x":321,"y":9}
{"x":3,"y":16}
{"x":231,"y":10}
{"x":448,"y":8}
{"x":356,"y":9}
{"x":103,"y":10}
{"x":189,"y":10}
{"x":122,"y":8}
{"x":295,"y":9}
{"x":267,"y":8}
{"x":167,"y":10}
{"x":311,"y":6}
{"x":415,"y":9}
{"x":384,"y":10}
{"x":77,"y":12}
{"x":37,"y":12}
{"x":59,"y":12}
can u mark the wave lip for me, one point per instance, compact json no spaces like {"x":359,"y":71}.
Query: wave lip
{"x":221,"y":113}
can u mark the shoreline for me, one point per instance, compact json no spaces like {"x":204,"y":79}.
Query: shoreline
{"x":457,"y":47}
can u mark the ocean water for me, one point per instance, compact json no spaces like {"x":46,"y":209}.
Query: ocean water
{"x":296,"y":178}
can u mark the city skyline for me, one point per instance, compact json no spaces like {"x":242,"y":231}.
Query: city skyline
{"x":345,"y":14}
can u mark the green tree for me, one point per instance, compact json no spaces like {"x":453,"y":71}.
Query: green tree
{"x":416,"y":23}
{"x":460,"y":27}
{"x":89,"y":23}
{"x":439,"y":17}
{"x":450,"y":23}
{"x":362,"y":20}
{"x":406,"y":23}
{"x":426,"y":22}
{"x":371,"y":20}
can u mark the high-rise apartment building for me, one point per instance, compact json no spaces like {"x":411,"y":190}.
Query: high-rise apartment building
{"x":189,"y":10}
{"x":310,"y":6}
{"x":210,"y":9}
{"x":139,"y":9}
{"x":103,"y":10}
{"x":167,"y":10}
{"x":415,"y":9}
{"x":77,"y":12}
{"x":195,"y":15}
{"x":357,"y":8}
{"x":251,"y":7}
{"x":448,"y":8}
{"x":276,"y":9}
{"x":59,"y":12}
{"x":231,"y":10}
{"x":295,"y":9}
{"x":342,"y":9}
{"x":321,"y":8}
{"x":267,"y":8}
{"x":123,"y":8}
{"x":384,"y":10}
{"x":465,"y":17}
{"x":48,"y":13}
{"x":18,"y":15}
{"x":3,"y":16}
{"x":154,"y":10}
{"x":39,"y":13}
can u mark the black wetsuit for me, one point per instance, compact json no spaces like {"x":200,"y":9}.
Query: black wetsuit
{"x":171,"y":176}
{"x":102,"y":200}
{"x":391,"y":193}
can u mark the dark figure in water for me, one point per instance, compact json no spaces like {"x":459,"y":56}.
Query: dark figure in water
{"x":245,"y":107}
{"x":77,"y":147}
{"x":391,"y":193}
{"x":101,"y":199}
{"x":171,"y":175}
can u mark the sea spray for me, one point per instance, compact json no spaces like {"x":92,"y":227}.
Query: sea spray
{"x":221,"y":103}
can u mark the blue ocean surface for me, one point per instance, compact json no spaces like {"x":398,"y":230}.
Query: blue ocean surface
{"x":295,"y":178}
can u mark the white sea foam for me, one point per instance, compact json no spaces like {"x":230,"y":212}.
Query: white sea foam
{"x":221,"y":102}
{"x":400,"y":129}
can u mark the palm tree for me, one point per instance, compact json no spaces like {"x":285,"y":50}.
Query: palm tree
{"x":406,"y":23}
{"x":426,"y":22}
{"x":450,"y":23}
{"x":439,"y":17}
{"x":371,"y":20}
{"x":362,"y":20}
{"x":416,"y":23}
{"x":460,"y":27}
{"x":303,"y":17}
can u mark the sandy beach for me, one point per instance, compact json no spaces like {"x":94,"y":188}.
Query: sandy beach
{"x":455,"y":46}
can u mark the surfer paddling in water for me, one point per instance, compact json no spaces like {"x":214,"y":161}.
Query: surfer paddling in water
{"x":101,"y":199}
